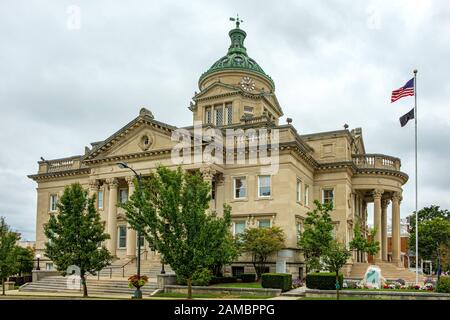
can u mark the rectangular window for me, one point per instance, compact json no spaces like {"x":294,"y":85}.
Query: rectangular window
{"x":306,"y":195}
{"x":264,"y":186}
{"x":100,"y":199}
{"x":240,"y":187}
{"x":328,"y":196}
{"x":53,"y":202}
{"x":264,"y":223}
{"x":123,"y":195}
{"x":208,"y":115}
{"x":122,"y":236}
{"x":299,"y":231}
{"x":248,"y":110}
{"x":49,"y":266}
{"x":239,"y":227}
{"x":237,"y":271}
{"x":299,"y":190}
{"x":219,"y":116}
{"x":229,"y":109}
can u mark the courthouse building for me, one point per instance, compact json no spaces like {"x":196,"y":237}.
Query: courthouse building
{"x":236,"y":93}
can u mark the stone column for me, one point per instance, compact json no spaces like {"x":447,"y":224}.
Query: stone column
{"x":93,"y":188}
{"x":384,"y":237}
{"x":396,"y":198}
{"x":131,"y":233}
{"x":377,"y":219}
{"x":112,"y":215}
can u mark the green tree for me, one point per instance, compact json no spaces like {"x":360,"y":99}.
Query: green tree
{"x":364,"y":244}
{"x":434,"y":238}
{"x":372,"y":246}
{"x":8,"y":257}
{"x":222,"y":239}
{"x":430,"y":234}
{"x":317,"y":235}
{"x":24,"y":260}
{"x":335,"y":258}
{"x":260,"y":243}
{"x":171,"y":213}
{"x":75,"y":235}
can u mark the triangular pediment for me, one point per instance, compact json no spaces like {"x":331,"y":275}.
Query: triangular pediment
{"x":216,"y":89}
{"x":143,"y":134}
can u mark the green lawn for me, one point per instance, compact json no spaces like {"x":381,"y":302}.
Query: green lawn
{"x":239,"y":285}
{"x":206,"y":296}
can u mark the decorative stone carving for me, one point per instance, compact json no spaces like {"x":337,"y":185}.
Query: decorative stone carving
{"x":145,"y":141}
{"x":377,"y":193}
{"x":112,"y":182}
{"x":145,"y":112}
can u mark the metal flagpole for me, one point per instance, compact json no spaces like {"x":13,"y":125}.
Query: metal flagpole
{"x":417,"y":215}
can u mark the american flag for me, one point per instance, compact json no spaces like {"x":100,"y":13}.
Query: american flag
{"x":406,"y":90}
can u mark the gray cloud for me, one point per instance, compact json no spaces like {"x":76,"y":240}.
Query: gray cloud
{"x":332,"y":62}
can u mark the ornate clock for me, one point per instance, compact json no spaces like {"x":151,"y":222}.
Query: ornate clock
{"x":247,"y":84}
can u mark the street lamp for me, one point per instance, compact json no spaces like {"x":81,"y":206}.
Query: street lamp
{"x":138,"y":292}
{"x":38,"y":257}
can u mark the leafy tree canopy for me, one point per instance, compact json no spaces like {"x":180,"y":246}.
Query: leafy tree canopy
{"x":261,"y":243}
{"x":75,"y":234}
{"x":317,"y":234}
{"x":170,"y":210}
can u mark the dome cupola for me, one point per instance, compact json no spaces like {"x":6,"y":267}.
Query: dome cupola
{"x":237,"y":57}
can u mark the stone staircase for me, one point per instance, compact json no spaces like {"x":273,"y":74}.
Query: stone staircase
{"x":388,"y":270}
{"x":58,"y":284}
{"x":124,"y":268}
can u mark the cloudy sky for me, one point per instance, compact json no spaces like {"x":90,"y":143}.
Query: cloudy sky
{"x":66,"y":82}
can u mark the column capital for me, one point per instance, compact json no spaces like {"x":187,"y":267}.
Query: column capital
{"x":207,"y":173}
{"x":377,"y":193}
{"x":385,"y":203}
{"x":112,"y":182}
{"x":397,"y":196}
{"x":93,"y":184}
{"x":130,"y":179}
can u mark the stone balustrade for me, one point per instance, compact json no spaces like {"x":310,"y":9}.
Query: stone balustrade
{"x":59,"y":165}
{"x":377,"y":161}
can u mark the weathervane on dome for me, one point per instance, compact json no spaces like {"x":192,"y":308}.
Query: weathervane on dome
{"x":238,"y":21}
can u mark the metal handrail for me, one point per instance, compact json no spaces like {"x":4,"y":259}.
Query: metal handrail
{"x":122,"y":266}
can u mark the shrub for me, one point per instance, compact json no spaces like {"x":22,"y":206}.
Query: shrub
{"x":443,"y":285}
{"x":215,"y":280}
{"x":248,"y":277}
{"x":281,"y":281}
{"x":323,"y":280}
{"x":201,"y":277}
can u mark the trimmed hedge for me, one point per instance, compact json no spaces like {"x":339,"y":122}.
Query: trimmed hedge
{"x":281,"y":281}
{"x":323,"y":280}
{"x":248,"y":277}
{"x":215,"y":280}
{"x":443,"y":285}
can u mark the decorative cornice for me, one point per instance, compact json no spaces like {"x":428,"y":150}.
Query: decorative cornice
{"x":59,"y":174}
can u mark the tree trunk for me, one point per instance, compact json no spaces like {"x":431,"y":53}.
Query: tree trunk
{"x":189,"y":283}
{"x":337,"y":285}
{"x":83,"y":282}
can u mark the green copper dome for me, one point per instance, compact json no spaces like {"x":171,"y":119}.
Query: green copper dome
{"x":237,"y":58}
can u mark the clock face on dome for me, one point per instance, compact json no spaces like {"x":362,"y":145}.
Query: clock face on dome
{"x":247,"y":84}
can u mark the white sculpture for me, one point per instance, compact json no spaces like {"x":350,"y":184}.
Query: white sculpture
{"x":372,"y":278}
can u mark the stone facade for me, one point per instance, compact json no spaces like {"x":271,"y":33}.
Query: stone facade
{"x":327,"y":166}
